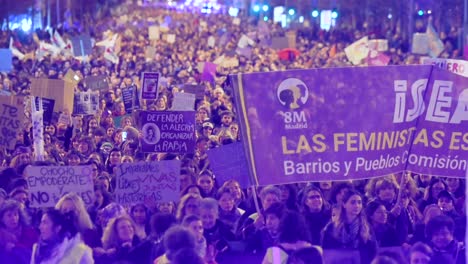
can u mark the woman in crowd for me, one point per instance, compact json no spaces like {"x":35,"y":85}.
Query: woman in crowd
{"x":316,"y":211}
{"x":195,"y":224}
{"x":189,"y":205}
{"x":121,"y":243}
{"x":175,"y":239}
{"x":385,"y":234}
{"x":267,"y":237}
{"x":238,"y":194}
{"x":351,"y":230}
{"x":141,"y":217}
{"x":73,"y":203}
{"x":289,"y":196}
{"x":293,"y":237}
{"x":102,"y":198}
{"x":432,"y":192}
{"x":215,"y":231}
{"x":59,"y":241}
{"x":207,"y":184}
{"x":439,"y":231}
{"x":166,"y":207}
{"x":229,"y":214}
{"x":338,"y":190}
{"x":16,"y":235}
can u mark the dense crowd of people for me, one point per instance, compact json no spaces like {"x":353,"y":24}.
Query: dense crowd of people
{"x":401,"y":218}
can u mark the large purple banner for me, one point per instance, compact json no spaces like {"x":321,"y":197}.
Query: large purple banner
{"x":168,"y":131}
{"x":353,"y":123}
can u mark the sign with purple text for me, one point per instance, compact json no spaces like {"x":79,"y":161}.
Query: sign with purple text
{"x":47,"y":184}
{"x":168,"y":131}
{"x":150,"y":84}
{"x":459,"y":67}
{"x":353,"y":123}
{"x":142,"y":182}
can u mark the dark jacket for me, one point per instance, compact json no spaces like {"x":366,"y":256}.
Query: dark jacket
{"x":386,"y":235}
{"x":367,"y":249}
{"x":316,"y":223}
{"x":454,"y":252}
{"x":260,"y":241}
{"x":220,"y":232}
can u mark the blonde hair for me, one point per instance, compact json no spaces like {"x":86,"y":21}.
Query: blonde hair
{"x":110,"y":237}
{"x":183,"y":202}
{"x":82,"y":219}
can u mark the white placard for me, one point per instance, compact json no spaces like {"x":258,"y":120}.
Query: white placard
{"x":183,"y":102}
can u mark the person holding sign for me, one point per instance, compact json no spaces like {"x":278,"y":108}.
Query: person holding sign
{"x":350,"y":230}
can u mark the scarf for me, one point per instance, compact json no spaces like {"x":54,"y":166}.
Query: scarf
{"x":350,"y":232}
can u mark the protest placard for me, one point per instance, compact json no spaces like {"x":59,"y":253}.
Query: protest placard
{"x":154,"y":33}
{"x":6,"y":60}
{"x":168,"y":131}
{"x":170,"y":38}
{"x":436,"y":46}
{"x":245,"y":41}
{"x":236,"y":21}
{"x":183,"y":102}
{"x":229,"y":162}
{"x":96,"y":83}
{"x":128,"y":95}
{"x":197,"y":89}
{"x":378,"y":44}
{"x":420,"y":44}
{"x":82,"y":45}
{"x":377,"y":58}
{"x":60,"y":91}
{"x":459,"y":67}
{"x":211,"y":42}
{"x":71,"y":77}
{"x":86,"y":103}
{"x":11,"y":121}
{"x":279,"y":43}
{"x":357,"y":51}
{"x":310,"y":141}
{"x":292,"y":38}
{"x":143,"y":182}
{"x":48,"y":184}
{"x":64,"y":119}
{"x":208,"y":72}
{"x":47,"y":107}
{"x":150,"y":52}
{"x":150,"y":83}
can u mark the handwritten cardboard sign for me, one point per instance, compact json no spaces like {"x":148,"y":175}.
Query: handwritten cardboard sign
{"x":229,"y":162}
{"x":168,"y":131}
{"x":197,"y":89}
{"x":47,"y":107}
{"x":60,"y":91}
{"x":72,"y":77}
{"x":357,"y":51}
{"x":459,"y":67}
{"x":154,"y":33}
{"x":6,"y":60}
{"x":97,"y":83}
{"x":420,"y":44}
{"x":49,"y":183}
{"x":143,"y":182}
{"x":12,"y":112}
{"x":86,"y":103}
{"x":150,"y":83}
{"x":183,"y":102}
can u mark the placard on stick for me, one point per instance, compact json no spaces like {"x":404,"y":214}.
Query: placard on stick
{"x":168,"y":131}
{"x":6,"y":60}
{"x":82,"y":45}
{"x":143,"y":182}
{"x":12,"y":110}
{"x":49,"y":183}
{"x":150,"y":83}
{"x":97,"y":83}
{"x":47,"y":107}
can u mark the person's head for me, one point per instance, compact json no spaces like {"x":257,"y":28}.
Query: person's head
{"x":293,"y":228}
{"x":177,"y":238}
{"x":115,"y":157}
{"x":306,"y":255}
{"x":126,"y":159}
{"x":189,"y":205}
{"x":338,"y":190}
{"x":225,"y":199}
{"x":269,"y":195}
{"x":187,"y":255}
{"x":166,"y":207}
{"x":92,"y":124}
{"x":206,"y":181}
{"x":207,"y":129}
{"x":453,"y":184}
{"x":351,"y":210}
{"x":194,"y":189}
{"x":430,"y":212}
{"x":20,"y":195}
{"x":194,"y":224}
{"x":73,"y":158}
{"x":110,"y":131}
{"x":55,"y":226}
{"x":435,"y":187}
{"x":446,"y":201}
{"x":376,"y":213}
{"x":71,"y":202}
{"x":226,"y":118}
{"x":313,"y":200}
{"x":385,"y":190}
{"x":120,"y":229}
{"x":12,"y":215}
{"x":186,"y":178}
{"x":139,"y":214}
{"x":102,"y":197}
{"x":352,"y":205}
{"x":420,"y":253}
{"x":161,"y":222}
{"x":439,"y":230}
{"x":273,"y":215}
{"x":235,"y":189}
{"x":209,"y":212}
